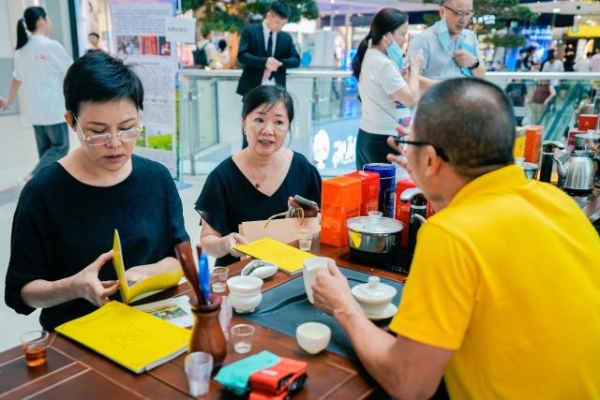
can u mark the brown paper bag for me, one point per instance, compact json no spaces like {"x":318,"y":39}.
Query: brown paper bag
{"x":284,"y":230}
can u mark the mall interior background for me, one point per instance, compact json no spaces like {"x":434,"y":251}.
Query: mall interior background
{"x":328,"y":112}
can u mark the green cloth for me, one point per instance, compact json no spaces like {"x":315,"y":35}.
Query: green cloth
{"x":235,"y":376}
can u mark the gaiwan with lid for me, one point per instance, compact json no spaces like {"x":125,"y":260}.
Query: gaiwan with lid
{"x":374,"y":297}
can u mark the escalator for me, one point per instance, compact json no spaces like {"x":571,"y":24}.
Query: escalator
{"x":558,"y":118}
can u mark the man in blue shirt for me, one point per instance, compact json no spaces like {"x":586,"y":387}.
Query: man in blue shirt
{"x":449,"y":49}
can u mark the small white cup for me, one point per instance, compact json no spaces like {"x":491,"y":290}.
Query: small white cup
{"x":313,"y":337}
{"x":309,"y":273}
{"x":198,"y":367}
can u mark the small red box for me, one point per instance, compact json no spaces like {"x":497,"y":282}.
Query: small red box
{"x":587,"y":122}
{"x":340,"y":200}
{"x":369,"y":199}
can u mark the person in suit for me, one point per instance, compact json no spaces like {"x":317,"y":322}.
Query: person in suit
{"x":266,"y":52}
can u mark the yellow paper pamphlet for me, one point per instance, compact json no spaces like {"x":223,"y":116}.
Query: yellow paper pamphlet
{"x":288,"y":258}
{"x":145,"y":287}
{"x":132,"y":338}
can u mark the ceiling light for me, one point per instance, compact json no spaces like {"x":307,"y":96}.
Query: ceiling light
{"x":556,"y":10}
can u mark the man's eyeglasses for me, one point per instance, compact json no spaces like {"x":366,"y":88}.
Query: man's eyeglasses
{"x":100,"y":139}
{"x":403,"y":144}
{"x":460,"y":14}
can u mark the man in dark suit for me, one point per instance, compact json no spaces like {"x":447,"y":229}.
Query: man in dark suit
{"x":266,"y":51}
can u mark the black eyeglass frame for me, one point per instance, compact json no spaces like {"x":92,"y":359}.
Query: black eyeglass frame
{"x":460,"y":14}
{"x":403,"y":143}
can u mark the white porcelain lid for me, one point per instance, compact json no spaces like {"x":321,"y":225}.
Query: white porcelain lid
{"x":373,"y":290}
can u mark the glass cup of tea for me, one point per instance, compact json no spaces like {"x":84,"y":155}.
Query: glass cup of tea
{"x":305,"y":239}
{"x":198,"y":366}
{"x":242,"y":336}
{"x":34,"y":344}
{"x":218,"y":279}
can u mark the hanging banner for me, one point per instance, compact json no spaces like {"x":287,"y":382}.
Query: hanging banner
{"x":140,"y":40}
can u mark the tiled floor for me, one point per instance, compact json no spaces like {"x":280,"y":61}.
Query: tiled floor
{"x":17,"y":156}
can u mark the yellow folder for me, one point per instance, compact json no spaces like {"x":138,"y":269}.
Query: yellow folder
{"x":288,"y":258}
{"x":147,"y":286}
{"x":132,"y":338}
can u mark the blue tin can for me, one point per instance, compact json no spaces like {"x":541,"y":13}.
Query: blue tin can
{"x":387,"y":186}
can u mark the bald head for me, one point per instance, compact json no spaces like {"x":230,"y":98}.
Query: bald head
{"x":471,"y":120}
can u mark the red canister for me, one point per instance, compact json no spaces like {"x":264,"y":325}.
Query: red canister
{"x":533,"y":139}
{"x":403,"y":209}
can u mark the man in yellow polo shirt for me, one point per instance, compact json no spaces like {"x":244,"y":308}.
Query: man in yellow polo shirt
{"x":503,"y":297}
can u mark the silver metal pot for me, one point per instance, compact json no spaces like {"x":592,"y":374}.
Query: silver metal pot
{"x":587,"y":141}
{"x":374,"y":233}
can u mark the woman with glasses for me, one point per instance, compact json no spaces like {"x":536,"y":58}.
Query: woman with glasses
{"x":381,"y":86}
{"x":62,"y":234}
{"x":258,"y":181}
{"x":40,"y":66}
{"x":450,"y":50}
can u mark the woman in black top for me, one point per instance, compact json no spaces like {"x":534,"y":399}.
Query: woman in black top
{"x":64,"y":222}
{"x":258,"y":181}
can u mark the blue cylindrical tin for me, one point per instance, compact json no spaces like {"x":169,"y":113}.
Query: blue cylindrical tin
{"x":387,"y":186}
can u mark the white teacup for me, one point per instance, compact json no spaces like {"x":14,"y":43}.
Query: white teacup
{"x":313,"y":337}
{"x":244,"y":293}
{"x":309,"y":272}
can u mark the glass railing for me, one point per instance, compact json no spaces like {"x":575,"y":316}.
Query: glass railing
{"x":328,"y":113}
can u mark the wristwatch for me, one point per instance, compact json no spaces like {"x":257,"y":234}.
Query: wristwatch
{"x":474,"y":65}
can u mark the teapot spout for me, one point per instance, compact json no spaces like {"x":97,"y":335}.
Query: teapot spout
{"x":560,"y":168}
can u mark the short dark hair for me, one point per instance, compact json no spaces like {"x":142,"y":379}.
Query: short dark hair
{"x":94,"y":34}
{"x":222,"y":44}
{"x":471,"y":120}
{"x":98,"y":77}
{"x":268,"y":95}
{"x":280,"y":8}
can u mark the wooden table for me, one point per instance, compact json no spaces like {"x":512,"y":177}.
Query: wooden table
{"x":73,"y":372}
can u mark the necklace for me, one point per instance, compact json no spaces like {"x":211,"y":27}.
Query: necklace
{"x":258,"y":182}
{"x":254,"y":173}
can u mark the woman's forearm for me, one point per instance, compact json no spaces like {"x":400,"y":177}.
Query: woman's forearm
{"x":43,"y":294}
{"x":215,"y":246}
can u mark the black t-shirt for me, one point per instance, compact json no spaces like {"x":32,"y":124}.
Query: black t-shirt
{"x":516,"y":93}
{"x":62,"y":225}
{"x":228,"y":198}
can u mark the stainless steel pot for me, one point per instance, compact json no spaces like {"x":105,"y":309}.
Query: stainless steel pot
{"x":587,"y":141}
{"x":374,"y":233}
